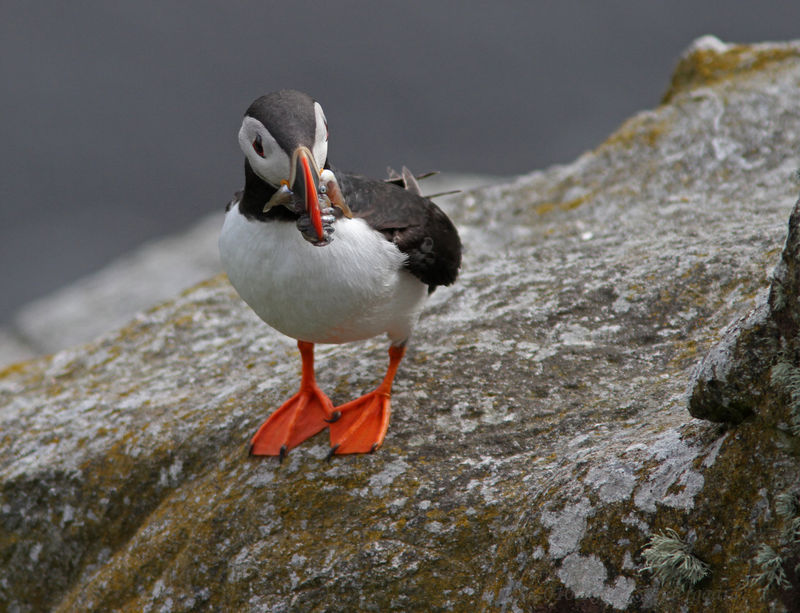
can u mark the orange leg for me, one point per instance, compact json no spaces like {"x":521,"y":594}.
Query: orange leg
{"x":299,"y":418}
{"x":363,"y":422}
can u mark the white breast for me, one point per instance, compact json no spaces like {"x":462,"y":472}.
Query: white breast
{"x":352,"y":289}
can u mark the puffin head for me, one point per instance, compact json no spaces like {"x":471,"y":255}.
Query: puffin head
{"x":284,"y":136}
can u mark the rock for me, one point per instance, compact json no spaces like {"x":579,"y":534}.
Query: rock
{"x":13,"y":349}
{"x":109,"y":298}
{"x":540,"y":437}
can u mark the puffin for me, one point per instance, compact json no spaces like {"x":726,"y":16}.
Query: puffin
{"x":326,"y":256}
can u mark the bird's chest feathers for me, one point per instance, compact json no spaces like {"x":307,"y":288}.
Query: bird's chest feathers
{"x":306,"y":291}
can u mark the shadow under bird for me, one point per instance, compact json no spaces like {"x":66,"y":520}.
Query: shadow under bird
{"x":325,"y":256}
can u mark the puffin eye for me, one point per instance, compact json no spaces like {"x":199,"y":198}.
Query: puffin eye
{"x":257,"y":146}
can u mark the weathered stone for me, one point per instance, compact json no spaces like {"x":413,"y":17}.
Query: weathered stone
{"x":107,"y":299}
{"x":726,"y":384}
{"x":540,"y":434}
{"x":739,"y":369}
{"x":13,"y":349}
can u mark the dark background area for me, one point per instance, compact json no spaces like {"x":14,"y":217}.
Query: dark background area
{"x":118,"y":120}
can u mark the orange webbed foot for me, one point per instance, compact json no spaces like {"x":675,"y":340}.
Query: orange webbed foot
{"x":297,"y":419}
{"x":362,"y":424}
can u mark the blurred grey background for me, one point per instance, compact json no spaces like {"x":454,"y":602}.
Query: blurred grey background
{"x":119,"y":120}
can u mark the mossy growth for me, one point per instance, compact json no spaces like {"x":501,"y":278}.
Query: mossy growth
{"x":671,"y":561}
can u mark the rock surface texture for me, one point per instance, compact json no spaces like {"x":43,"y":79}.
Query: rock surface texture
{"x":541,"y":436}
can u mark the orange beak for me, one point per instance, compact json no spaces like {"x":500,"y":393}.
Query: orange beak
{"x":304,"y":182}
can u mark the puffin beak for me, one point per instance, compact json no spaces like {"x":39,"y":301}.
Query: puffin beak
{"x":303,"y":181}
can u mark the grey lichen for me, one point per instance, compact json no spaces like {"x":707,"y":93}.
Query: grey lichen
{"x":771,"y":573}
{"x":786,"y":505}
{"x":786,"y":377}
{"x":793,"y":531}
{"x":671,"y":561}
{"x":778,"y":296}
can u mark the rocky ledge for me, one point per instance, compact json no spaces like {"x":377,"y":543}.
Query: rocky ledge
{"x":541,"y":457}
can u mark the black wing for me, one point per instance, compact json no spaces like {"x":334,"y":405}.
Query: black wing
{"x":418,"y":227}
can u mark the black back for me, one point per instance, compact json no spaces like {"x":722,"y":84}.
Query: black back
{"x":418,"y":227}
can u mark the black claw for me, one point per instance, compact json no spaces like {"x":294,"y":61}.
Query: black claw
{"x":331,"y":453}
{"x":334,"y":417}
{"x":250,"y":450}
{"x":373,"y":448}
{"x":282,"y":454}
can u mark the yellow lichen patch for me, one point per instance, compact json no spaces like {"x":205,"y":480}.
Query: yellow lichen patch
{"x":18,"y":368}
{"x":573,"y":204}
{"x":686,"y":352}
{"x":706,"y":66}
{"x":567,"y":205}
{"x":644,"y":128}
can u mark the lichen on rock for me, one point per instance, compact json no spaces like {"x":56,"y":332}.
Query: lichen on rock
{"x":540,"y":434}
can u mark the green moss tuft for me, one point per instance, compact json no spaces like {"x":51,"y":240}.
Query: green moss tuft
{"x":670,"y":559}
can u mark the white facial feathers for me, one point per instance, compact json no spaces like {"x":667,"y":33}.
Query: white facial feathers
{"x":274,"y":165}
{"x":320,"y":148}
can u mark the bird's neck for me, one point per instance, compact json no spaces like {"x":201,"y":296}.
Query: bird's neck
{"x":257,"y":193}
